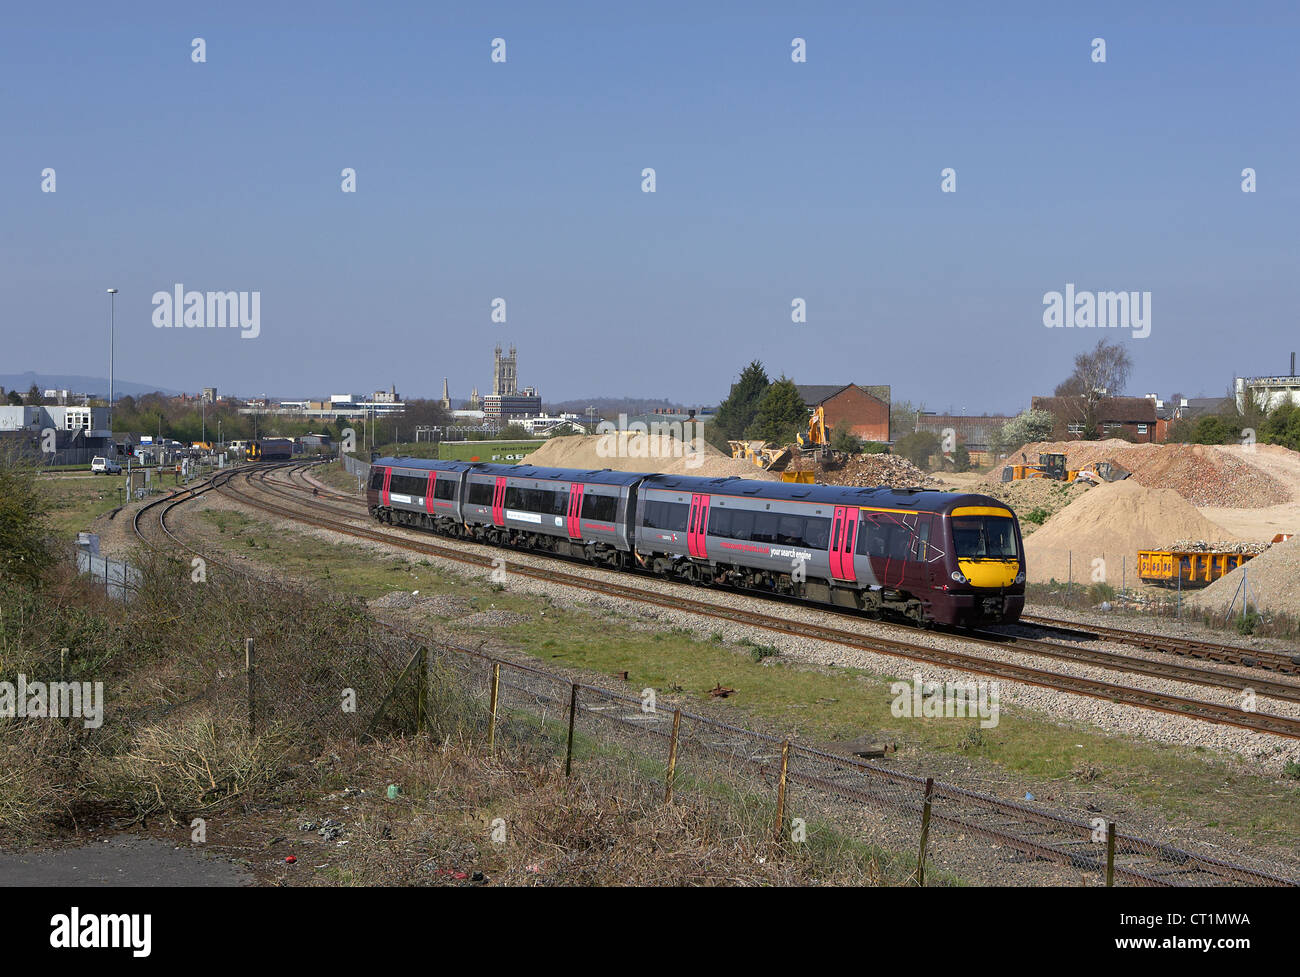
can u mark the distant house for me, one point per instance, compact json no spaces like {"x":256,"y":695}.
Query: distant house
{"x":862,"y":411}
{"x":1131,"y":418}
{"x":975,"y":432}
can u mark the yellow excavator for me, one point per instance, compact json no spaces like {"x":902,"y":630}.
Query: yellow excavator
{"x":1055,"y":466}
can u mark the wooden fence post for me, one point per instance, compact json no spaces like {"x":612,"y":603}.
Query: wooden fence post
{"x":421,"y":688}
{"x":492,"y":717}
{"x":780,"y":791}
{"x":1110,"y":854}
{"x":925,"y":831}
{"x":573,"y":712}
{"x":672,"y":756}
{"x":250,"y":668}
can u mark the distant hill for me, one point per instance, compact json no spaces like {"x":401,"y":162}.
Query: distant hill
{"x":96,"y":386}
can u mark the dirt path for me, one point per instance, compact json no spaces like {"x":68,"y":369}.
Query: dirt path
{"x":124,"y":860}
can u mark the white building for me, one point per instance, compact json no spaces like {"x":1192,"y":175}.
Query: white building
{"x":92,"y":422}
{"x":1267,"y":392}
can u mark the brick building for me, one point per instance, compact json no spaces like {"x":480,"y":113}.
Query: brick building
{"x":1131,"y":418}
{"x":863,"y":411}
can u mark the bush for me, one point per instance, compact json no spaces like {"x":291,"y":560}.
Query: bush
{"x":1037,"y":515}
{"x":1247,"y":623}
{"x":1099,"y":592}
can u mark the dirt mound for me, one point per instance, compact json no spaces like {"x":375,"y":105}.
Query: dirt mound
{"x":1112,"y":522}
{"x":1270,"y":583}
{"x":1200,"y":473}
{"x":870,"y":470}
{"x":634,"y":451}
{"x":1033,"y":500}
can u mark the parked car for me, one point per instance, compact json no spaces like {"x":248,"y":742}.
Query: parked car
{"x":105,"y":466}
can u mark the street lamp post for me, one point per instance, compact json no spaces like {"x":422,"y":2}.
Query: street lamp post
{"x":112,"y":309}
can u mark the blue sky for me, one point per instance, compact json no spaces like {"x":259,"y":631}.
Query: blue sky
{"x":775,"y":180}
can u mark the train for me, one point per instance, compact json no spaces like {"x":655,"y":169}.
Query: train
{"x":270,"y":449}
{"x":930,"y":557}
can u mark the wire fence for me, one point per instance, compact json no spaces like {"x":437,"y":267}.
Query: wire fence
{"x":921,"y":831}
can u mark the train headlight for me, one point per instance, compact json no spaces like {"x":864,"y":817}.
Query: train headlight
{"x":1020,"y":577}
{"x":960,"y":577}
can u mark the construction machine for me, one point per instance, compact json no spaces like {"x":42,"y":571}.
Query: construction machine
{"x":1055,"y":466}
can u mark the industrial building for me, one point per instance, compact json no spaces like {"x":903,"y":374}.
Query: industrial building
{"x":79,"y":433}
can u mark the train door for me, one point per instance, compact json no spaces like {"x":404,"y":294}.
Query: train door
{"x":384,"y":496}
{"x":574,"y":518}
{"x":844,"y":537}
{"x":428,"y":492}
{"x":499,"y":502}
{"x":697,"y":526}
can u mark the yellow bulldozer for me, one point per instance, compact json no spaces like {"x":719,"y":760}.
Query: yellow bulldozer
{"x":1055,"y":466}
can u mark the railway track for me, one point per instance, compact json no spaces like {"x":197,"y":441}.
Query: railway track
{"x":1274,"y":661}
{"x":1032,"y":834}
{"x":1095,"y":688}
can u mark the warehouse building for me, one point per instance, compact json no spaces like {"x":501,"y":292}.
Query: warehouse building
{"x":78,"y":433}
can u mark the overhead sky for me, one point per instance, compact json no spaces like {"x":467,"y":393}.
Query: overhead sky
{"x":775,"y":180}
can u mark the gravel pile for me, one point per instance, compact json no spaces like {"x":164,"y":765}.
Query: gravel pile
{"x":626,"y":451}
{"x":1270,"y":578}
{"x":1200,"y":473}
{"x":1217,"y":546}
{"x":870,"y":470}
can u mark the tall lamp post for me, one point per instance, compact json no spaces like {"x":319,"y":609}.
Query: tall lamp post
{"x":112,"y":309}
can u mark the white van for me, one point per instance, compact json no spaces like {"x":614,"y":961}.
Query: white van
{"x":105,"y":466}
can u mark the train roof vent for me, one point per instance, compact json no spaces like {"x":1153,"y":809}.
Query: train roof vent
{"x":751,"y":491}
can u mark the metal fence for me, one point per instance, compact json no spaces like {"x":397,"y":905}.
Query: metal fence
{"x":119,"y":578}
{"x":919,"y":830}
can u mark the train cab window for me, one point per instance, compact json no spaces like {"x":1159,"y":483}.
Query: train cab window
{"x":377,"y":478}
{"x":480,"y":493}
{"x":445,"y":489}
{"x":885,"y":541}
{"x":984,"y":537}
{"x":600,"y":507}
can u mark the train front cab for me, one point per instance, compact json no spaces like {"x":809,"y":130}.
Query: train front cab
{"x":985,"y":567}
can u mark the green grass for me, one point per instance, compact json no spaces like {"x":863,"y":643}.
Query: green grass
{"x":818,"y":703}
{"x":76,"y":502}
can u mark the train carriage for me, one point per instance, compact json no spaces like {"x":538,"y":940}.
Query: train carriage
{"x":930,"y":556}
{"x":417,"y":492}
{"x":573,"y":513}
{"x":933,"y":557}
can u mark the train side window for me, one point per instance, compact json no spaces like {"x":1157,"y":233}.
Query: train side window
{"x":377,"y":478}
{"x":817,"y":533}
{"x":480,"y":493}
{"x":790,"y":531}
{"x":445,"y":489}
{"x":742,"y":524}
{"x":900,"y":543}
{"x":923,"y":539}
{"x":720,"y":522}
{"x":671,"y":516}
{"x":764,"y":527}
{"x":600,"y":507}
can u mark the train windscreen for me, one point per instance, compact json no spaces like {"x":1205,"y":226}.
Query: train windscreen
{"x":984,"y":538}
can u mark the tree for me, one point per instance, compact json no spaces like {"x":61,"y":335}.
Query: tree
{"x":918,"y":447}
{"x":34,"y":397}
{"x":845,"y":440}
{"x":1098,"y":374}
{"x":15,"y":398}
{"x":736,"y":413}
{"x":26,"y":549}
{"x":514,"y":432}
{"x":1025,"y":428}
{"x":1282,"y":426}
{"x":902,"y":417}
{"x":781,"y":414}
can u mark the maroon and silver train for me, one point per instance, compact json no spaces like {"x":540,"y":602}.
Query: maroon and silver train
{"x":931,"y":557}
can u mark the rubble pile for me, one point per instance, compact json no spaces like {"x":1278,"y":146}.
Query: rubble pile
{"x":869,"y":470}
{"x":1200,"y":473}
